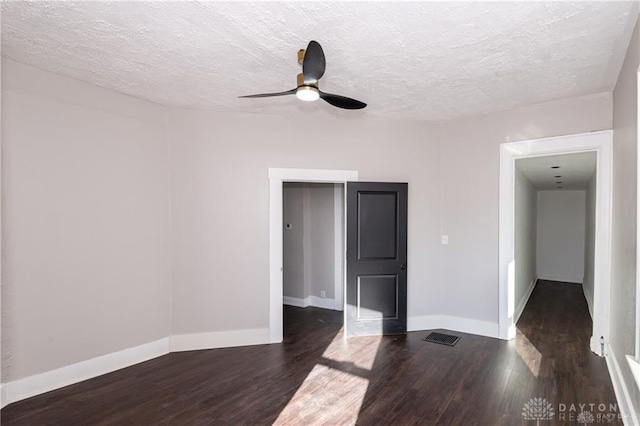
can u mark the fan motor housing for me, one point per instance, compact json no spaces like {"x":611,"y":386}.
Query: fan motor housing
{"x":300,"y":82}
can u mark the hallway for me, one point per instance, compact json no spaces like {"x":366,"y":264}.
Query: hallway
{"x":553,"y":340}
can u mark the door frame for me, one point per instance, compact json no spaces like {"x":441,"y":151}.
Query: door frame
{"x":277,"y":176}
{"x":599,"y":142}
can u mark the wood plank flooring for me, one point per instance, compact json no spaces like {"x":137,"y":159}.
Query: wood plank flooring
{"x":317,"y":377}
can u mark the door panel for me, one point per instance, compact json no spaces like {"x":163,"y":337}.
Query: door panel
{"x":376,"y":258}
{"x":377,"y":297}
{"x":377,"y":226}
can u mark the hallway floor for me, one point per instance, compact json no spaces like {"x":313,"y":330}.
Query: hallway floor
{"x":317,"y":377}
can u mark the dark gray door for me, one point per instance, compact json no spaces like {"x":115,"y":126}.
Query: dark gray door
{"x":376,"y":258}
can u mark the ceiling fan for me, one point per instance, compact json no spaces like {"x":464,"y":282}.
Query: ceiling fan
{"x":313,"y":66}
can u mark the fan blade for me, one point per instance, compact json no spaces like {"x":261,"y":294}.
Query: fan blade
{"x":268,"y":95}
{"x":313,"y":64}
{"x":342,"y":101}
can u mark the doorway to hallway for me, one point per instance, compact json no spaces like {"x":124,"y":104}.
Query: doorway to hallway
{"x":512,"y":295}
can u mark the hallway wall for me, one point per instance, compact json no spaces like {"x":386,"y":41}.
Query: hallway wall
{"x":589,"y":242}
{"x":321,"y":240}
{"x":526,"y":213}
{"x":293,"y":246}
{"x":309,"y":246}
{"x":561,"y":235}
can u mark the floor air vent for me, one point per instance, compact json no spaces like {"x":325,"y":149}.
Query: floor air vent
{"x":443,"y":339}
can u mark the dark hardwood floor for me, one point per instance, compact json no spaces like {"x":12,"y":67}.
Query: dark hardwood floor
{"x":318,"y":377}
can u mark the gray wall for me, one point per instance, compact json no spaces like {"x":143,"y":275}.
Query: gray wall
{"x":589,"y":242}
{"x":213,"y":277}
{"x":309,"y":247}
{"x":321,"y":238}
{"x":293,"y":244}
{"x":623,"y":282}
{"x":86,"y":222}
{"x":561,"y":230}
{"x":525,"y":239}
{"x":470,"y":192}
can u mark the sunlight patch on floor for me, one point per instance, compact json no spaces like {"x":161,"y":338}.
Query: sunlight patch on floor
{"x":339,"y":379}
{"x":529,"y":354}
{"x":359,"y":351}
{"x":324,"y":389}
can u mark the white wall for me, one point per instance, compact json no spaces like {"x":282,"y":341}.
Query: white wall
{"x":561,"y":235}
{"x":623,"y":280}
{"x":525,"y":240}
{"x":470,"y":192}
{"x":309,"y":246}
{"x":86,"y":222}
{"x":589,"y":242}
{"x":219,"y":168}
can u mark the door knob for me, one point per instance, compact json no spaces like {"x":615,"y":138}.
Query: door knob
{"x":403,"y":266}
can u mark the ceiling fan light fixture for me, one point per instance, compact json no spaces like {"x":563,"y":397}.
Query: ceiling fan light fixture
{"x":313,"y":66}
{"x":307,"y":93}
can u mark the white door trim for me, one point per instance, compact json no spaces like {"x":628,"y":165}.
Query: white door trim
{"x":339,"y":204}
{"x":276,"y":178}
{"x":599,"y":142}
{"x":637,"y":345}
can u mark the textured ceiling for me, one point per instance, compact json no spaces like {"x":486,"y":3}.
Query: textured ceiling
{"x":575,"y":170}
{"x":424,"y":60}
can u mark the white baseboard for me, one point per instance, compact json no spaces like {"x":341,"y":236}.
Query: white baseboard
{"x":628,"y":412}
{"x":40,"y":383}
{"x":218,"y":339}
{"x":35,"y":385}
{"x":319,"y":302}
{"x":315,"y":301}
{"x":560,"y":278}
{"x":44,"y":382}
{"x":464,"y":325}
{"x":635,"y":368}
{"x":523,"y":302}
{"x":589,"y":298}
{"x":295,"y":301}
